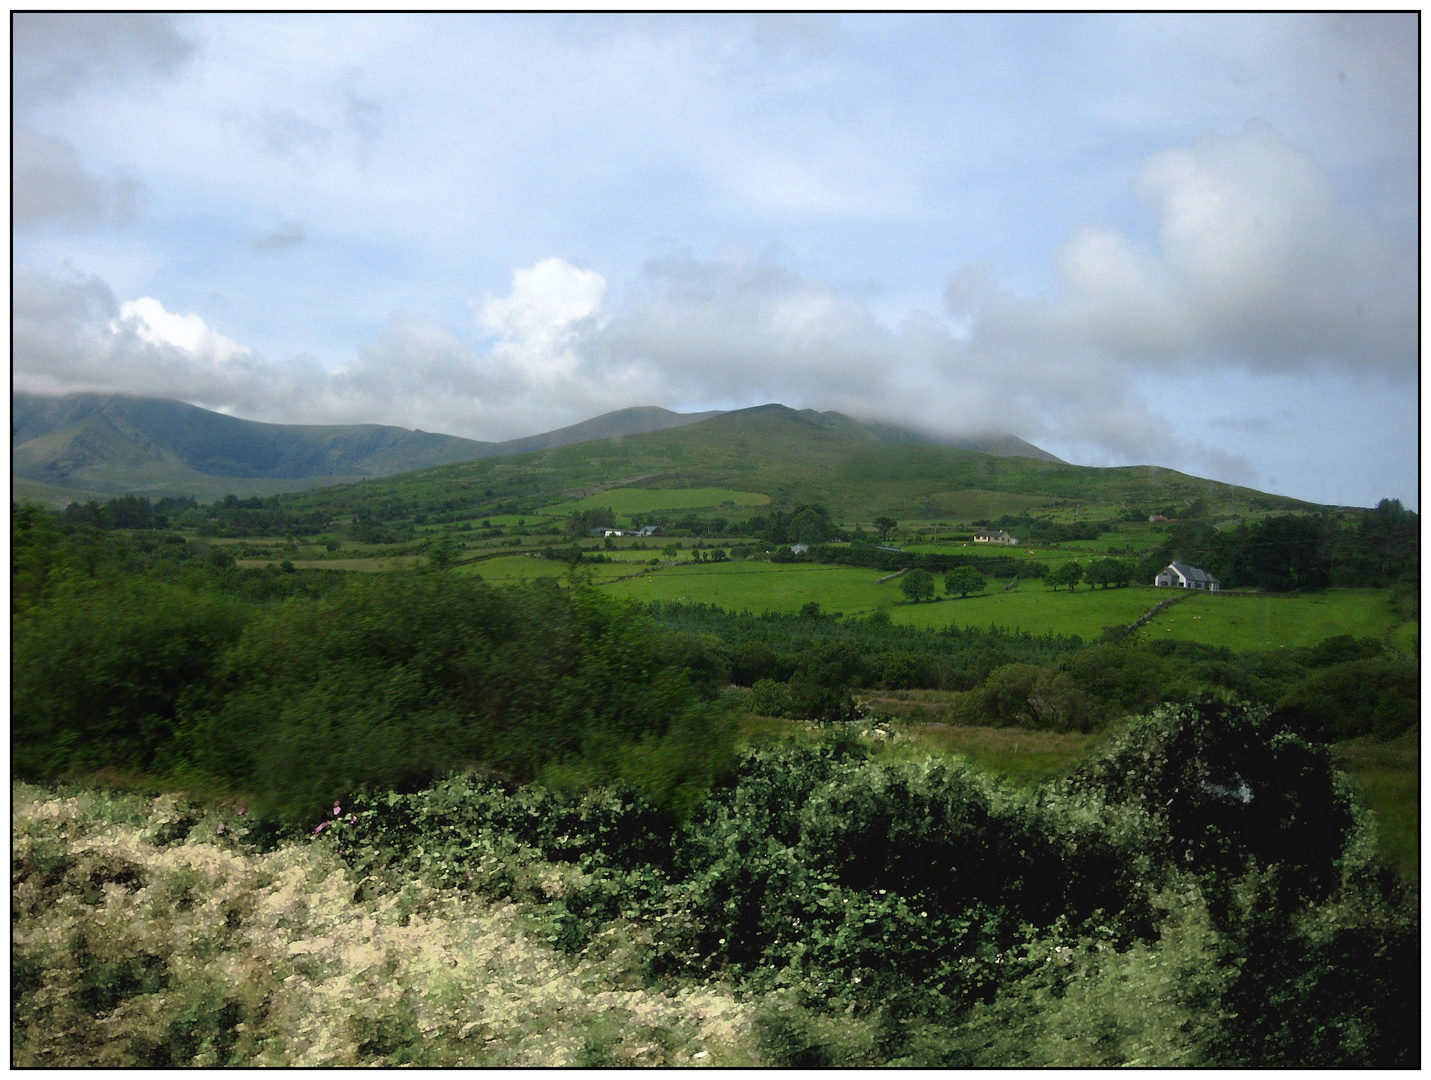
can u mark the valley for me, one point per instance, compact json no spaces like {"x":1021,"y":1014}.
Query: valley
{"x":601,"y":698}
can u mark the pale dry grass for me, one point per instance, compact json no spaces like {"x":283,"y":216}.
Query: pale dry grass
{"x":202,"y":952}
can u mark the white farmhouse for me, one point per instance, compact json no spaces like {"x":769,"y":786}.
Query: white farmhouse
{"x":1177,"y":576}
{"x":1000,"y":537}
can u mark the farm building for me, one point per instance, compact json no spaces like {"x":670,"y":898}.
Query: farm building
{"x":1178,"y":576}
{"x":999,"y":537}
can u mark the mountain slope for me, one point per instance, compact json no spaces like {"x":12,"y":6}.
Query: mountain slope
{"x":612,"y":425}
{"x":107,"y":443}
{"x":857,"y":470}
{"x":97,"y":444}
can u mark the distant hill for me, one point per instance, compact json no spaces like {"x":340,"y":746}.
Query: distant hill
{"x":111,"y":443}
{"x":857,"y":470}
{"x":612,"y":425}
{"x":98,"y":445}
{"x":85,"y":446}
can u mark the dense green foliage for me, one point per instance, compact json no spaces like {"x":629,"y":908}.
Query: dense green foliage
{"x":1300,"y":551}
{"x":395,"y":680}
{"x":134,"y":653}
{"x":917,"y":584}
{"x":964,"y":580}
{"x":1204,"y":890}
{"x":936,"y":912}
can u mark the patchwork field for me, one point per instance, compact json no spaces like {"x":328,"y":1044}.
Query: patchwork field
{"x":1239,"y":622}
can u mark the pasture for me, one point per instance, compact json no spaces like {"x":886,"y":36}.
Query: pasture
{"x":511,"y":569}
{"x":644,"y":500}
{"x":1273,"y":620}
{"x":1388,"y":776}
{"x":1252,"y":621}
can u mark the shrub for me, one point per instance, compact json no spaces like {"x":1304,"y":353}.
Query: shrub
{"x":100,"y":674}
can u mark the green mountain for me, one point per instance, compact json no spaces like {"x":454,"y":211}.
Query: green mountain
{"x":84,"y":446}
{"x":99,"y":445}
{"x":858,"y":471}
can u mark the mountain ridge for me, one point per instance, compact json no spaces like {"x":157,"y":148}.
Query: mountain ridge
{"x":101,"y":445}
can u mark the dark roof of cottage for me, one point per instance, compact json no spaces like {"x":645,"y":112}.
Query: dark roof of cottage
{"x":1192,"y":573}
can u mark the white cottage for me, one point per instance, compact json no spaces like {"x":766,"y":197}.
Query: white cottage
{"x":999,"y":537}
{"x":1177,"y":576}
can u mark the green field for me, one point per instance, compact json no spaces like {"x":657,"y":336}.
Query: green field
{"x":1262,"y":621}
{"x":509,"y":569}
{"x":763,"y":586}
{"x":1388,"y":776}
{"x":1239,"y":622}
{"x":643,"y":500}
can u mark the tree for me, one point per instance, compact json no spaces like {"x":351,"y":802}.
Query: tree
{"x":964,"y":580}
{"x":1070,"y":574}
{"x":1107,"y":572}
{"x":917,"y":585}
{"x":885,"y":525}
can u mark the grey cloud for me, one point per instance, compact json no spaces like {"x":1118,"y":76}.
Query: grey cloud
{"x":55,"y":54}
{"x":50,"y":185}
{"x":365,"y":120}
{"x":814,"y":32}
{"x":1252,"y":425}
{"x":286,"y":135}
{"x":284,"y":235}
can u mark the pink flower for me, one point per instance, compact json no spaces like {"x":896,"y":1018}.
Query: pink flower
{"x":336,"y":809}
{"x":321,"y":827}
{"x":242,"y":809}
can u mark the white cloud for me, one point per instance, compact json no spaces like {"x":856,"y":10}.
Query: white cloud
{"x":539,"y":322}
{"x":1257,"y":268}
{"x":147,"y":319}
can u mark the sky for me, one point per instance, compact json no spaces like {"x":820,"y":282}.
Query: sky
{"x":1188,"y":240}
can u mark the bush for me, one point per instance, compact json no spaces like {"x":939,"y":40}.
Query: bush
{"x":395,"y":680}
{"x":1378,"y":696}
{"x":101,"y":674}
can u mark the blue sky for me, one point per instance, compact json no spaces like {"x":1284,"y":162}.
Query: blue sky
{"x":1186,"y":240}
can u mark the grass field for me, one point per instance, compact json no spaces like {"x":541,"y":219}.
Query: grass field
{"x":644,"y":500}
{"x":373,"y":564}
{"x":508,"y":569}
{"x":1034,"y":607}
{"x":1389,"y":776}
{"x":1239,"y":622}
{"x":762,"y":586}
{"x":1024,"y":757}
{"x":1262,"y":621}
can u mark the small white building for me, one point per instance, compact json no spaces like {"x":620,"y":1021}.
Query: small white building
{"x":1000,"y":537}
{"x":1177,"y":576}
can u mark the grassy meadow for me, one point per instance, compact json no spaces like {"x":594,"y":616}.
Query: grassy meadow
{"x":1267,"y":620}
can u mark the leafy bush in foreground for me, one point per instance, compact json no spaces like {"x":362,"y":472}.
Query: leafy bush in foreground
{"x":1203,"y":892}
